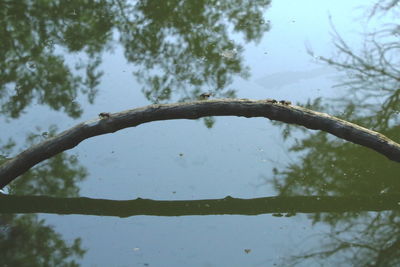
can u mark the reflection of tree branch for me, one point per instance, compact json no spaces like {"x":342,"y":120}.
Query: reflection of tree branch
{"x":183,"y":48}
{"x":383,"y":6}
{"x":385,"y":255}
{"x":57,"y":176}
{"x":371,"y":99}
{"x":227,"y":205}
{"x":194,"y":110}
{"x":26,"y":240}
{"x":366,"y":62}
{"x":373,"y":73}
{"x":357,"y":245}
{"x":31,"y":65}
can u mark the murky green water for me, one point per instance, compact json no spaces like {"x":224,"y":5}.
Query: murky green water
{"x":221,"y":191}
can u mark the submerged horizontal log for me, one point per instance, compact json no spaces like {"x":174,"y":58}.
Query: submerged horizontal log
{"x":277,"y":206}
{"x":109,"y":123}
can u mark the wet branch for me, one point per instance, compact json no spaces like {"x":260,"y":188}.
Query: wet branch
{"x":110,"y":123}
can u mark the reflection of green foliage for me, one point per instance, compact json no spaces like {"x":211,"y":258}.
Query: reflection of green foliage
{"x":209,"y":121}
{"x":330,"y":166}
{"x":369,"y":241}
{"x":3,"y":159}
{"x":181,"y":47}
{"x":27,"y":241}
{"x":57,"y":176}
{"x":29,"y":66}
{"x":184,"y":45}
{"x":5,"y":150}
{"x":337,"y":168}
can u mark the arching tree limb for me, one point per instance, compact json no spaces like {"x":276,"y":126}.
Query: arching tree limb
{"x":110,"y":123}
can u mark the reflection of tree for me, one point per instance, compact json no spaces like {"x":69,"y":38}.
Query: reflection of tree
{"x":369,"y":241}
{"x":186,"y":40}
{"x":328,"y":166}
{"x":332,"y":167}
{"x":373,"y":238}
{"x":31,"y":68}
{"x":372,"y":76}
{"x":57,"y":176}
{"x":25,"y":240}
{"x":383,"y":6}
{"x":182,"y":46}
{"x":345,"y":169}
{"x":335,"y":168}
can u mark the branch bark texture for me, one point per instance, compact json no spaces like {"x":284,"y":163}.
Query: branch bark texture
{"x":110,"y":123}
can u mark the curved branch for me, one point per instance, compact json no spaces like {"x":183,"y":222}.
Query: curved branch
{"x":270,"y":109}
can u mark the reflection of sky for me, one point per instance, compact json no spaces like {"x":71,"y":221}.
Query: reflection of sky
{"x":233,"y":158}
{"x":278,"y":80}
